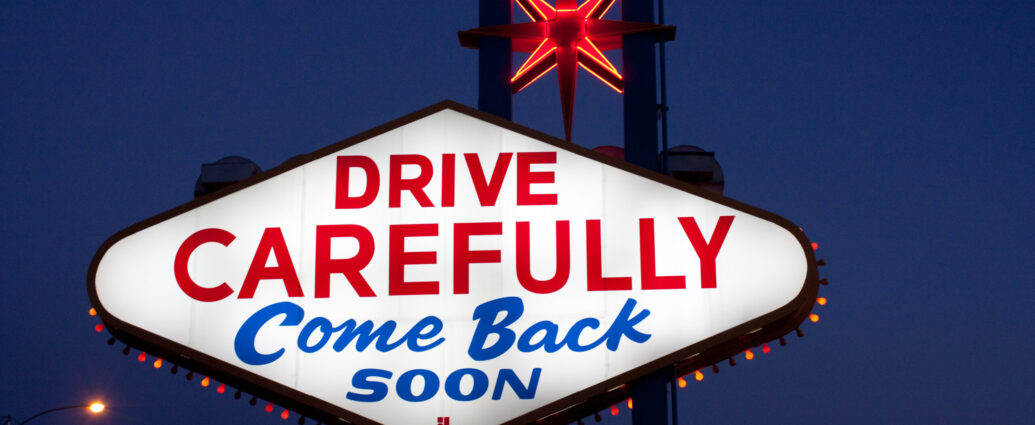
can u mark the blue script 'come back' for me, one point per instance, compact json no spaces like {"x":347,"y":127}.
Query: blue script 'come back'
{"x":493,"y":318}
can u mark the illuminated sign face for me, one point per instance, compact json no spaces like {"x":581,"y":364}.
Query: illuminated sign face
{"x":449,"y":265}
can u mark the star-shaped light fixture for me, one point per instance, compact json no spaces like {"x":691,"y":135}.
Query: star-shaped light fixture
{"x":566,"y":37}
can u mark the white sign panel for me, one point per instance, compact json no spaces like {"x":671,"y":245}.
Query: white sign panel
{"x":448,"y":267}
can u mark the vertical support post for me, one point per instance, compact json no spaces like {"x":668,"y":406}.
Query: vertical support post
{"x":640,"y":103}
{"x":494,"y":60}
{"x":663,"y":107}
{"x":650,"y":399}
{"x":640,"y":99}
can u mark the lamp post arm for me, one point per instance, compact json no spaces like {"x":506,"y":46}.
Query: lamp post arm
{"x":53,"y":410}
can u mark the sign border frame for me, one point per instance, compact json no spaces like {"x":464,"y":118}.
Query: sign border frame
{"x":584,"y":402}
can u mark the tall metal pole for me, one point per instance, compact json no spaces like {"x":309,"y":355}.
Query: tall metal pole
{"x":640,"y":104}
{"x":663,"y":107}
{"x":640,"y":101}
{"x":494,"y":60}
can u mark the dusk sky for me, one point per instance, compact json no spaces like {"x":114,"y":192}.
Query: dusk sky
{"x":897,"y":134}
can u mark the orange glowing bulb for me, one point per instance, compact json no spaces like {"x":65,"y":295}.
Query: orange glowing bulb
{"x":748,"y":354}
{"x":765,"y":348}
{"x":821,"y":300}
{"x":158,"y":364}
{"x":814,"y":317}
{"x":269,"y":408}
{"x":96,"y":407}
{"x":682,"y":383}
{"x":698,"y":375}
{"x":205,"y":382}
{"x":142,"y":357}
{"x":221,"y":389}
{"x":284,"y":414}
{"x":93,"y":311}
{"x":99,"y":327}
{"x":614,"y":410}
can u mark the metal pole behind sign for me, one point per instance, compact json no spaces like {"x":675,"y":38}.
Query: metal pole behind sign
{"x":663,"y":107}
{"x":640,"y":101}
{"x":494,"y":60}
{"x":641,"y":148}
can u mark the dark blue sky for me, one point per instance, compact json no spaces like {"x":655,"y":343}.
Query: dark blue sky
{"x":898,"y":134}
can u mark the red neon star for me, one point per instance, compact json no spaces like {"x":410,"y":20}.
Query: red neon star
{"x":565,"y":37}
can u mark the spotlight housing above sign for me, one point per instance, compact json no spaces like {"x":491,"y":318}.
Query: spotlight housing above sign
{"x":451,"y":264}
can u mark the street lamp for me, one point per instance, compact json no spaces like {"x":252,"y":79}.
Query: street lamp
{"x":94,"y":408}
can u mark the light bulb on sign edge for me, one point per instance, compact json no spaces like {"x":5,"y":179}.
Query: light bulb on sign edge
{"x":269,"y":408}
{"x":698,"y":375}
{"x":221,"y":389}
{"x":93,"y":312}
{"x":204,"y":382}
{"x":749,"y":355}
{"x":285,"y":414}
{"x":766,"y":349}
{"x":821,"y":300}
{"x":814,"y":317}
{"x":158,"y":363}
{"x":614,"y":410}
{"x":142,"y":357}
{"x":630,"y":403}
{"x":682,"y":382}
{"x":98,"y":327}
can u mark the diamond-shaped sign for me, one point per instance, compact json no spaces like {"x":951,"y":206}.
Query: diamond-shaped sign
{"x":453,"y":265}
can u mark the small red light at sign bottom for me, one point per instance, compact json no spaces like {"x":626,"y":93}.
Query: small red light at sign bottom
{"x":284,"y":414}
{"x":99,"y":327}
{"x":221,"y":389}
{"x":269,"y":408}
{"x":614,"y":410}
{"x":142,"y":357}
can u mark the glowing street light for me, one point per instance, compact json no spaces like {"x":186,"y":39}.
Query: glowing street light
{"x":94,"y":408}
